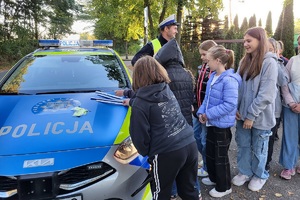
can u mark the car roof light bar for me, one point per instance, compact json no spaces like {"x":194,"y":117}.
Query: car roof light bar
{"x":49,"y":43}
{"x":108,"y":43}
{"x":75,"y":43}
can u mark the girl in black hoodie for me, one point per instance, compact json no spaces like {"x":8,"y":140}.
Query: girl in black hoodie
{"x":159,"y":130}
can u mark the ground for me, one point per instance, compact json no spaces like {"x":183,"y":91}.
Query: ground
{"x":275,"y":187}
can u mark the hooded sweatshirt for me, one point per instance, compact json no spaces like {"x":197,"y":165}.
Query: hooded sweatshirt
{"x":257,"y":95}
{"x":157,"y":125}
{"x":182,"y":81}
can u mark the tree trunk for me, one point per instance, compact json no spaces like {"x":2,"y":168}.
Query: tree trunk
{"x":179,"y":19}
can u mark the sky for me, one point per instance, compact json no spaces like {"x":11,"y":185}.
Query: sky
{"x":243,"y":8}
{"x":261,"y":8}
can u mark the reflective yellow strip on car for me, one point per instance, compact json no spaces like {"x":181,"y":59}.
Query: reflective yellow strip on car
{"x":124,"y":130}
{"x":147,"y":194}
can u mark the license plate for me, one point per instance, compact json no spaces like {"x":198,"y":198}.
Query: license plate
{"x":77,"y":197}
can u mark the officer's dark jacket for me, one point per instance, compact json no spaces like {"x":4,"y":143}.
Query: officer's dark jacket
{"x":171,"y":58}
{"x":147,"y":49}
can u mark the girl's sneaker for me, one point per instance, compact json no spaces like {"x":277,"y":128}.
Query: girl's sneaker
{"x":202,"y":172}
{"x":216,"y":194}
{"x":207,"y":181}
{"x":287,"y":173}
{"x":240,"y":179}
{"x":256,"y":184}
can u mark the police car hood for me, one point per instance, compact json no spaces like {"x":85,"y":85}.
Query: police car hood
{"x":36,"y":124}
{"x":169,"y":53}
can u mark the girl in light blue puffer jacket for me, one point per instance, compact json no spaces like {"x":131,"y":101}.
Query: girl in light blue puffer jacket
{"x":218,"y":112}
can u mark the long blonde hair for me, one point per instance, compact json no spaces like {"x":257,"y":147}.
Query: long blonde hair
{"x":251,"y":65}
{"x":148,"y":71}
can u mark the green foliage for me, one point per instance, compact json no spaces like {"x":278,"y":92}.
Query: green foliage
{"x":236,"y":23}
{"x":252,"y":21}
{"x":13,"y":50}
{"x":226,"y":24}
{"x":192,"y":59}
{"x":115,"y":22}
{"x":278,"y":31}
{"x":288,"y":29}
{"x":244,"y":26}
{"x":210,"y":29}
{"x":259,"y":22}
{"x":27,"y":19}
{"x":23,"y":22}
{"x":269,"y":25}
{"x":61,"y":18}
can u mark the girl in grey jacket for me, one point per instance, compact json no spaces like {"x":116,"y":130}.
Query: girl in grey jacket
{"x":256,"y":108}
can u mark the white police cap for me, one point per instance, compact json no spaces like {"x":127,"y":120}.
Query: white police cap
{"x":168,"y":21}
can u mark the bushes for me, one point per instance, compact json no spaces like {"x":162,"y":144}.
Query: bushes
{"x":13,"y":50}
{"x":192,"y":59}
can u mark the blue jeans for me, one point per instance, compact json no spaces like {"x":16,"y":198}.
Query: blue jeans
{"x":174,"y":187}
{"x":289,"y":152}
{"x":200,"y":132}
{"x":252,"y":150}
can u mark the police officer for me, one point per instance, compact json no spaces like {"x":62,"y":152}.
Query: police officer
{"x":168,"y":31}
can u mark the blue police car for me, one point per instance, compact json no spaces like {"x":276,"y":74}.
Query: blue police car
{"x":63,"y":133}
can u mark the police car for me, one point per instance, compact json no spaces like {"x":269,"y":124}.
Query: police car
{"x":63,"y":133}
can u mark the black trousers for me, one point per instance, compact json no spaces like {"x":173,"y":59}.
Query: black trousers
{"x":180,"y":165}
{"x":271,"y":142}
{"x":218,"y":166}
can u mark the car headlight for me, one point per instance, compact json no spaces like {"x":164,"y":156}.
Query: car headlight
{"x":126,"y":152}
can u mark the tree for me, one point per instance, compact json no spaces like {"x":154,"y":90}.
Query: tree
{"x":288,"y":28}
{"x":236,"y":23}
{"x":121,"y":25}
{"x":259,"y":22}
{"x":269,"y":24}
{"x":278,"y":31}
{"x":179,"y":19}
{"x":61,"y":17}
{"x":252,"y":21}
{"x":25,"y":19}
{"x":244,"y":26}
{"x":226,"y":23}
{"x":211,"y":29}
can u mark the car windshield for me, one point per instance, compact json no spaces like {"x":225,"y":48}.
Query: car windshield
{"x":66,"y":73}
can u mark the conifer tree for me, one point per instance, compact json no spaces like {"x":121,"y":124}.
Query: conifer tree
{"x":244,"y":26}
{"x":236,"y":23}
{"x":259,"y":22}
{"x":288,"y":29}
{"x":269,"y":24}
{"x":252,"y":21}
{"x":278,"y":31}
